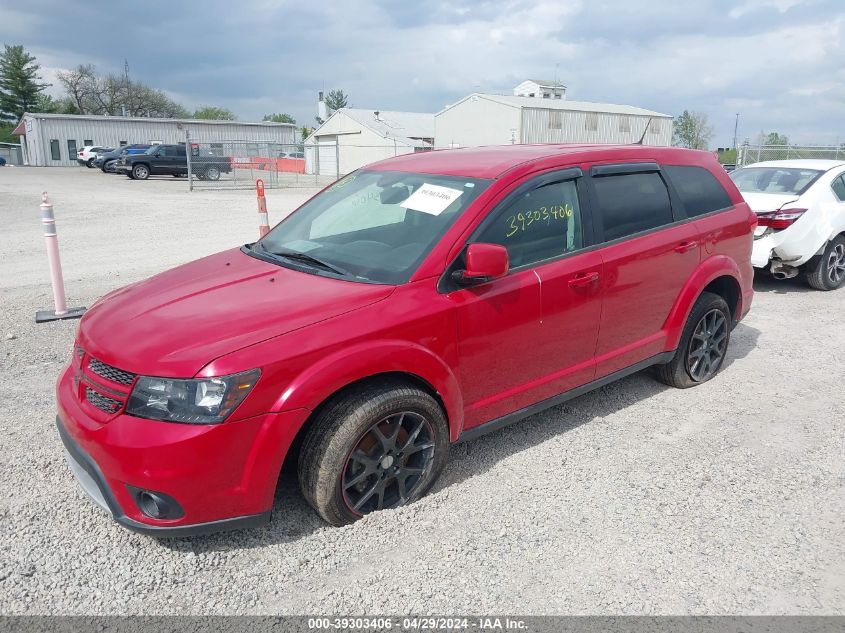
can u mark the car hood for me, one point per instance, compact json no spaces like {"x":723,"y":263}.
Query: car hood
{"x":177,"y":322}
{"x":761,"y":202}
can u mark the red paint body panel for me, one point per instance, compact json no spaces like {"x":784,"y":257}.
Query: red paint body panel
{"x":176,"y":322}
{"x":486,"y":350}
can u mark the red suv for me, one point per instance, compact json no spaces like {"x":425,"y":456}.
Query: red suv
{"x":423,"y":300}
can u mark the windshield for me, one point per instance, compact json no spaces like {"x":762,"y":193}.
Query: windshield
{"x":788,"y":180}
{"x":372,"y":225}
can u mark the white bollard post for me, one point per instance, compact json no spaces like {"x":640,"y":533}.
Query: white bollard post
{"x":48,"y":221}
{"x":263,"y":223}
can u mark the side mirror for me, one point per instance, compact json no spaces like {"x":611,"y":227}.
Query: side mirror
{"x":484,"y":262}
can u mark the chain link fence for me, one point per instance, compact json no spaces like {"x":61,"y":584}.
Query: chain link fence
{"x":749,"y":154}
{"x":238,"y":164}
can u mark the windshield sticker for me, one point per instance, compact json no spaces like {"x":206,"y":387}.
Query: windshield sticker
{"x":343,"y":182}
{"x":431,"y":199}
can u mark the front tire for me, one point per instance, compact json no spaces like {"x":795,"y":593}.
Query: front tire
{"x":140,"y":172}
{"x":90,"y":163}
{"x":703,"y":345}
{"x":829,"y":272}
{"x":376,"y":448}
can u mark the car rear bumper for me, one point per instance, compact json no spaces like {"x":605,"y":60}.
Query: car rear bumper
{"x":219,"y":476}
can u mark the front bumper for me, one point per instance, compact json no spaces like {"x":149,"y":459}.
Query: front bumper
{"x":93,"y":482}
{"x":223,"y":476}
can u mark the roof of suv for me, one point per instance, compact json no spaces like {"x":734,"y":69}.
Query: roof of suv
{"x":492,"y":161}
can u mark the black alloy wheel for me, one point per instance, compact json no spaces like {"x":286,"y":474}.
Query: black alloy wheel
{"x":372,"y":447}
{"x":387,"y":464}
{"x":707,"y":346}
{"x":703,"y":345}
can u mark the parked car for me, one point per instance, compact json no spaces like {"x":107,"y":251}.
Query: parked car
{"x":2,"y":161}
{"x":424,"y":299}
{"x":171,"y":160}
{"x":107,"y":161}
{"x":88,"y":154}
{"x":800,"y":206}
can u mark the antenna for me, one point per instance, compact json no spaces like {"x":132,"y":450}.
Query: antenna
{"x":642,"y":138}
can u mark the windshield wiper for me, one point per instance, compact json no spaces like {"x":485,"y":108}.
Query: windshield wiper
{"x":306,"y":259}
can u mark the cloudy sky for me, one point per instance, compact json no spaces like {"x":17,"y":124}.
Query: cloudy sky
{"x":779,"y":63}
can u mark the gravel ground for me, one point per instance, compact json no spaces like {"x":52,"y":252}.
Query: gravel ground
{"x":634,"y":499}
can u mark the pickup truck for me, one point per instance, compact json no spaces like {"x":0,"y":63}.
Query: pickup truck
{"x":163,"y":160}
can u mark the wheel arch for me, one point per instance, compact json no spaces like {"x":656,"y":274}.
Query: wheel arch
{"x":719,"y":275}
{"x":370,"y":361}
{"x":387,"y":377}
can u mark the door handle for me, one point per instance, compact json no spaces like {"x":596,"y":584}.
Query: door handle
{"x":685,"y":246}
{"x":583,"y":280}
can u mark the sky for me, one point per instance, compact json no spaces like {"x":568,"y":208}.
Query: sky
{"x":779,"y":64}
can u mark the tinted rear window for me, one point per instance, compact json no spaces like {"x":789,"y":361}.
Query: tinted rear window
{"x":698,"y":189}
{"x":632,"y":203}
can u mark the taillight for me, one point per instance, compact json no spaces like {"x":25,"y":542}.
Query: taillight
{"x":779,"y":220}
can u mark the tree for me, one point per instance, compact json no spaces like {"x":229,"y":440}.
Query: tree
{"x":335,"y":100}
{"x":692,"y":130}
{"x":305,"y":131}
{"x":279,"y":118}
{"x":213,"y":113}
{"x":20,"y":85}
{"x":115,"y":95}
{"x":48,"y":104}
{"x":773,"y":138}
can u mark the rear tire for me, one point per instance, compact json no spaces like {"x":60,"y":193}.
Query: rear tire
{"x":212,"y":173}
{"x":703,"y":345}
{"x":90,"y":163}
{"x":380,"y":447}
{"x":140,"y":172}
{"x":829,"y":272}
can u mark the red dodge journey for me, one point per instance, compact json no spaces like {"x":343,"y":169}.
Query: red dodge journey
{"x":420,"y":301}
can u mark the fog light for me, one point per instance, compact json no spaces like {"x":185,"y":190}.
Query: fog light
{"x":156,"y":505}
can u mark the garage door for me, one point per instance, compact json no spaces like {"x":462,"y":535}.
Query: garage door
{"x":327,"y":156}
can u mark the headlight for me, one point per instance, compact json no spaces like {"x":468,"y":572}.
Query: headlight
{"x":197,"y":401}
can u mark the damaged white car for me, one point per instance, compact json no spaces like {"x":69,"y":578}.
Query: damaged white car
{"x":800,"y":206}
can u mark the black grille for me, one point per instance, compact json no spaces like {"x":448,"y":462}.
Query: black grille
{"x":103,"y":403}
{"x":110,"y":373}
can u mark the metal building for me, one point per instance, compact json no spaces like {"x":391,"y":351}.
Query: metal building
{"x":351,"y":138}
{"x":487,"y":119}
{"x":54,"y":139}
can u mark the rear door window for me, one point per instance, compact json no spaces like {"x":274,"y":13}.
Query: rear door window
{"x":698,"y":189}
{"x":628,"y":204}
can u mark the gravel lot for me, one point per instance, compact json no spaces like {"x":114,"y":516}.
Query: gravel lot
{"x":635,"y":499}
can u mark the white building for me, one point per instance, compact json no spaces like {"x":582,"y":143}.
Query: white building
{"x":540,"y":89}
{"x":351,"y":138}
{"x":487,"y":119}
{"x":54,"y":139}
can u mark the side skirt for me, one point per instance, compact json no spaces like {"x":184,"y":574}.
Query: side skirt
{"x":516,"y":416}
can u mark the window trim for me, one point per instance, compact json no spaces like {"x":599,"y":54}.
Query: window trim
{"x":679,"y":215}
{"x":446,"y":285}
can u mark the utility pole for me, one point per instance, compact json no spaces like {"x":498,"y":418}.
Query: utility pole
{"x":736,"y":127}
{"x":126,"y":82}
